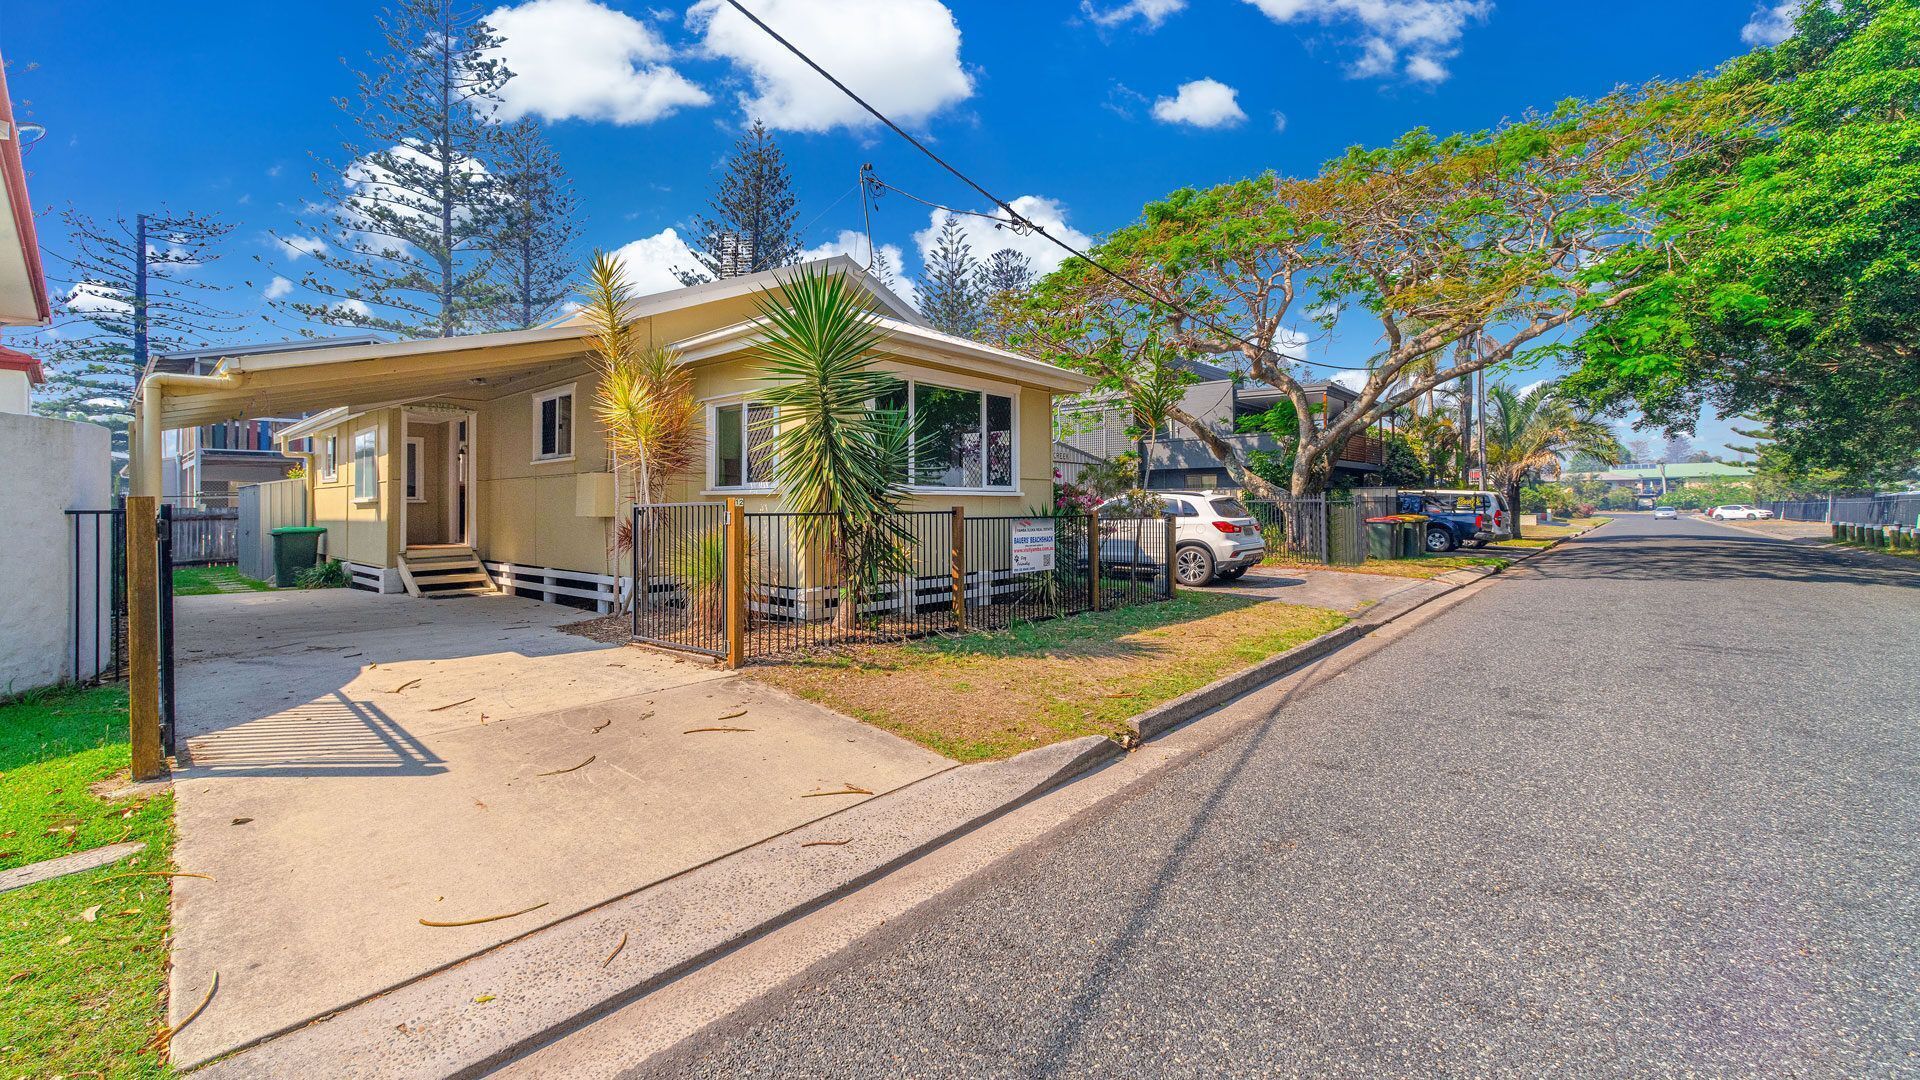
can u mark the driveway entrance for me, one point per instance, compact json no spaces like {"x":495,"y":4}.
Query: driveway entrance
{"x":352,"y":764}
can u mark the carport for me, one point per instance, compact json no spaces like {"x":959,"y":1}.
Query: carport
{"x":353,"y":764}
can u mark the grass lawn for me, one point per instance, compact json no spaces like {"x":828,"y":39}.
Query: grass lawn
{"x":1420,"y":566}
{"x":208,"y":580}
{"x":82,"y":960}
{"x":982,"y":695}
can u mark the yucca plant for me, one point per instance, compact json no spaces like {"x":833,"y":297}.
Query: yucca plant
{"x":645,"y":403}
{"x":838,"y":457}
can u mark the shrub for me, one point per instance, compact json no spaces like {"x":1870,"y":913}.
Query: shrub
{"x":331,"y":574}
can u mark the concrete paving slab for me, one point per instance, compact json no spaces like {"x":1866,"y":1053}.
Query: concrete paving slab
{"x":19,"y":877}
{"x":1331,"y":589}
{"x":478,"y":1014}
{"x":337,"y":800}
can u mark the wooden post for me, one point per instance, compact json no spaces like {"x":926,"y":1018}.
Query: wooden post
{"x":959,"y":567}
{"x":736,"y":583}
{"x":1093,"y":559}
{"x":143,"y":637}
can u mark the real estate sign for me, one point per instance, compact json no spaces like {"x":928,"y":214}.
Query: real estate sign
{"x":1032,"y":544}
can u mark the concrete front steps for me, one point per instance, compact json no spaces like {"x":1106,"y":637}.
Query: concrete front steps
{"x":436,"y":570}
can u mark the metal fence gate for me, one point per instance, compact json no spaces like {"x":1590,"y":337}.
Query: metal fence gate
{"x":679,"y":553}
{"x":98,"y":597}
{"x":1295,"y":529}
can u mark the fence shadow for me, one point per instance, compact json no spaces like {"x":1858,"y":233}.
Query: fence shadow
{"x":332,"y":736}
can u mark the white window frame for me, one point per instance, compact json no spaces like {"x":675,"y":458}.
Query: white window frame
{"x":412,"y":468}
{"x":983,"y":388}
{"x":573,"y":422}
{"x":330,"y":458}
{"x":371,"y":467}
{"x":742,"y":402}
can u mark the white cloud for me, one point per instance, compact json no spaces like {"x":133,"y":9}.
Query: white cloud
{"x":94,"y":298}
{"x":1206,"y":103}
{"x":277,"y":288}
{"x":1150,"y":12}
{"x":1413,"y":37}
{"x":347,"y":312}
{"x":1772,"y":22}
{"x":296,"y":246}
{"x":903,"y":56}
{"x":1279,"y":121}
{"x":651,"y":261}
{"x":985,"y":238}
{"x":853,"y":243}
{"x":575,"y":59}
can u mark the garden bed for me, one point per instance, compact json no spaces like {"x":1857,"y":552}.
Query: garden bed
{"x":82,"y":958}
{"x":982,"y":695}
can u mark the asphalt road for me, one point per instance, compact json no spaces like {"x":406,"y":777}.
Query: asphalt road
{"x":1650,"y":807}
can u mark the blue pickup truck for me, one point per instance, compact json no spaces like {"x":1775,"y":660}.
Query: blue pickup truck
{"x":1458,"y":517}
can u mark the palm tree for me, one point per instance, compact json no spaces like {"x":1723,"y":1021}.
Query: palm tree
{"x":645,"y":402}
{"x":839,"y":456}
{"x":1529,"y":434}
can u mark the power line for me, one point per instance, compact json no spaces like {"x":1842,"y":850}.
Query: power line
{"x":1019,"y":221}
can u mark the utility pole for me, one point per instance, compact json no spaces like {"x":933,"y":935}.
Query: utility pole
{"x":1480,"y":424}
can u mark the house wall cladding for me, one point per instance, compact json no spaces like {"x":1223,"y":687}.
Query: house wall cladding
{"x":52,"y":466}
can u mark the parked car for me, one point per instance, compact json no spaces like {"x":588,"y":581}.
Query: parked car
{"x":1214,"y":538}
{"x":1458,"y":517}
{"x":1660,"y":512}
{"x":1739,"y":512}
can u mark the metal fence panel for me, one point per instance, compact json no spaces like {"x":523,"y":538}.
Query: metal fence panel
{"x":1895,"y":509}
{"x":679,"y":555}
{"x":1295,"y":529}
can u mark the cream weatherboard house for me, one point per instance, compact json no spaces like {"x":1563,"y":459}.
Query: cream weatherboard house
{"x":475,"y":461}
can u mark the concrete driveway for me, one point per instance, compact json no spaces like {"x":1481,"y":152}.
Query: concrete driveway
{"x":353,"y":764}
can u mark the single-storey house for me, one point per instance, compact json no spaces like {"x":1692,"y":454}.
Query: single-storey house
{"x":482,"y":452}
{"x":1656,"y":478}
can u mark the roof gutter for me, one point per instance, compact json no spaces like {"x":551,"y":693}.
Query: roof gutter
{"x":13,"y":172}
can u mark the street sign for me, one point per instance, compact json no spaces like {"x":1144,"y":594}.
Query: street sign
{"x":1474,"y":476}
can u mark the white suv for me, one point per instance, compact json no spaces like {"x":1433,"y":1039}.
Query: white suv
{"x":1739,"y":512}
{"x":1214,"y":537}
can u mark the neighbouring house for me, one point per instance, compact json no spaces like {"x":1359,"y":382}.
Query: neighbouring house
{"x":207,"y":465}
{"x":483,"y":451}
{"x":1099,"y":424}
{"x":1656,"y":478}
{"x":49,"y":576}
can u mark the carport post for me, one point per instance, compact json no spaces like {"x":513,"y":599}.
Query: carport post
{"x":143,"y":637}
{"x":958,"y":567}
{"x":736,"y":583}
{"x":1172,"y":542}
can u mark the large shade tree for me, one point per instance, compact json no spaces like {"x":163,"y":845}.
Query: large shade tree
{"x":1784,"y":281}
{"x":1437,"y":256}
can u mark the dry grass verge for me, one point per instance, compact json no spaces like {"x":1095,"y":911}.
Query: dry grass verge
{"x":978,"y":696}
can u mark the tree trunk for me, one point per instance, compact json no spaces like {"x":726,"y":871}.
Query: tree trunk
{"x":1512,"y":492}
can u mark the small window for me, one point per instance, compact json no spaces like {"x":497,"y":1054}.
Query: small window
{"x":553,"y":421}
{"x":330,"y":457}
{"x":366,"y":466}
{"x":1229,"y":508}
{"x":413,"y":471}
{"x":743,"y":445}
{"x":1181,"y":508}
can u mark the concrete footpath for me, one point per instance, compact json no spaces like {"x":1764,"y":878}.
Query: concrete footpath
{"x":524,"y":993}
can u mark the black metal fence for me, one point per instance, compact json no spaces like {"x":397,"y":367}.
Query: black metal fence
{"x":679,"y":576}
{"x":950,"y":572}
{"x":98,"y":597}
{"x":1894,"y":509}
{"x":1295,"y":529}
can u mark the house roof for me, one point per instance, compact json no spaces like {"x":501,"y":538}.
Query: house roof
{"x":15,"y":360}
{"x":911,"y":340}
{"x":23,"y":285}
{"x":194,"y":361}
{"x":314,"y":375}
{"x":1683,"y":470}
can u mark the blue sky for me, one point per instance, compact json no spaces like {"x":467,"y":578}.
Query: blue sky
{"x":1093,"y":107}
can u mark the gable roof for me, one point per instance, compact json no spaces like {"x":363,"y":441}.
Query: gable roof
{"x":905,"y":339}
{"x":747,"y":284}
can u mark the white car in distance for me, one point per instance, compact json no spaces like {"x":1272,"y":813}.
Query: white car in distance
{"x":1739,"y":512}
